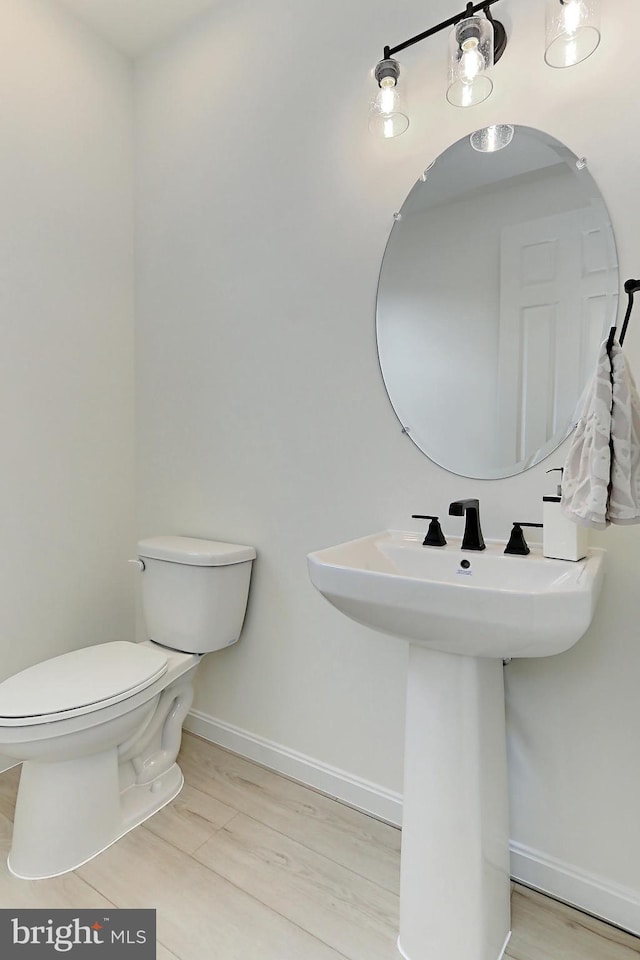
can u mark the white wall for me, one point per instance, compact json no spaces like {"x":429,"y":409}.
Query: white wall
{"x":66,"y":370}
{"x":263,"y":212}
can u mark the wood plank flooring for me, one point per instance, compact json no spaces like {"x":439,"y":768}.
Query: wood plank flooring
{"x":247,"y":865}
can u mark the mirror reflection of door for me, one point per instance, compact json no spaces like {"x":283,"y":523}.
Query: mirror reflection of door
{"x":498,"y":283}
{"x":557,"y":295}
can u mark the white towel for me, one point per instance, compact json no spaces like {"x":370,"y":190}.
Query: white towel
{"x":587,"y":472}
{"x":624,"y":493}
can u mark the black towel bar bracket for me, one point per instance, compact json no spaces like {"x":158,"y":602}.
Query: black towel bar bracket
{"x":630,"y":287}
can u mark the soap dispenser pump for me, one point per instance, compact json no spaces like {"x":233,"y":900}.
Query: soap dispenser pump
{"x":562,"y":539}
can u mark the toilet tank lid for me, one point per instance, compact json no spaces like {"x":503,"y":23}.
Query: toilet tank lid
{"x":195,"y":552}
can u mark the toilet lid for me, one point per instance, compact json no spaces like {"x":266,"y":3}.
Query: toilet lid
{"x":77,"y":682}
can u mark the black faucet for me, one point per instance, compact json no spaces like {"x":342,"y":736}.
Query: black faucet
{"x":472,"y":539}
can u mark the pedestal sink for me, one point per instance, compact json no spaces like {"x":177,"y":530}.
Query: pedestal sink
{"x":462,"y":612}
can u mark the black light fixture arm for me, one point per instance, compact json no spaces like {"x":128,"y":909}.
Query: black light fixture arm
{"x":468,"y":12}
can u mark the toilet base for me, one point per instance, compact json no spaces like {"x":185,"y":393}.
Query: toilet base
{"x":32,"y":858}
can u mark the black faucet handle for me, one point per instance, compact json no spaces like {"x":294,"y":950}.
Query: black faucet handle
{"x":435,"y":536}
{"x":517,"y":544}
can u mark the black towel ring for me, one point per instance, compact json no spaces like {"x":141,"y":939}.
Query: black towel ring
{"x":631,"y":287}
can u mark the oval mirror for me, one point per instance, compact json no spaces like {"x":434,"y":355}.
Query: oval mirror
{"x":498,"y":283}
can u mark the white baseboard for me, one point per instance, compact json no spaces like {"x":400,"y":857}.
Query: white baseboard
{"x":354,"y":791}
{"x":586,"y":891}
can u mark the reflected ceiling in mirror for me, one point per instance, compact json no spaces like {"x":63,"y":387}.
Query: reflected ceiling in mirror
{"x":498,"y":283}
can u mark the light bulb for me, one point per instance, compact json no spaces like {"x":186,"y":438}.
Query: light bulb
{"x":572,"y":15}
{"x":387,"y":97}
{"x":471,"y":61}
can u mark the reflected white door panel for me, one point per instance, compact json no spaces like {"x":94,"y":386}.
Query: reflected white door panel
{"x":556,"y":280}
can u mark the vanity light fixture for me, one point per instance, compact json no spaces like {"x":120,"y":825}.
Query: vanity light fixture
{"x":573,"y":31}
{"x":475,"y":44}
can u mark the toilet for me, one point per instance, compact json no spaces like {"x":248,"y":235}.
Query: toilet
{"x":98,"y":730}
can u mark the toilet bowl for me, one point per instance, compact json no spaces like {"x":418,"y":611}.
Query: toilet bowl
{"x":98,"y":730}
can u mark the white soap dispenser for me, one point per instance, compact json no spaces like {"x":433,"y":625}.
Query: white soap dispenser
{"x":562,"y":539}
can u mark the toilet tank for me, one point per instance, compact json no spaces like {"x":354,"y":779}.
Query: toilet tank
{"x":194,"y":592}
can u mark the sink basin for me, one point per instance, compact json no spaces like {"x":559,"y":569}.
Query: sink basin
{"x":479,"y":604}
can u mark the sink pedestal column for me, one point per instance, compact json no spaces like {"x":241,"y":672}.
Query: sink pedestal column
{"x":455,"y":887}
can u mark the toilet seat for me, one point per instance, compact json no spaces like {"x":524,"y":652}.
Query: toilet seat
{"x":79,"y":682}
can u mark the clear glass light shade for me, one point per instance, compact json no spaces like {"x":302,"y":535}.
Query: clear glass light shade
{"x":470,"y":56}
{"x":490,"y":139}
{"x":387,"y":113}
{"x":573,"y":31}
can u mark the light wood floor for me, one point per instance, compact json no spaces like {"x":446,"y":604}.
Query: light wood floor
{"x":246,"y":865}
